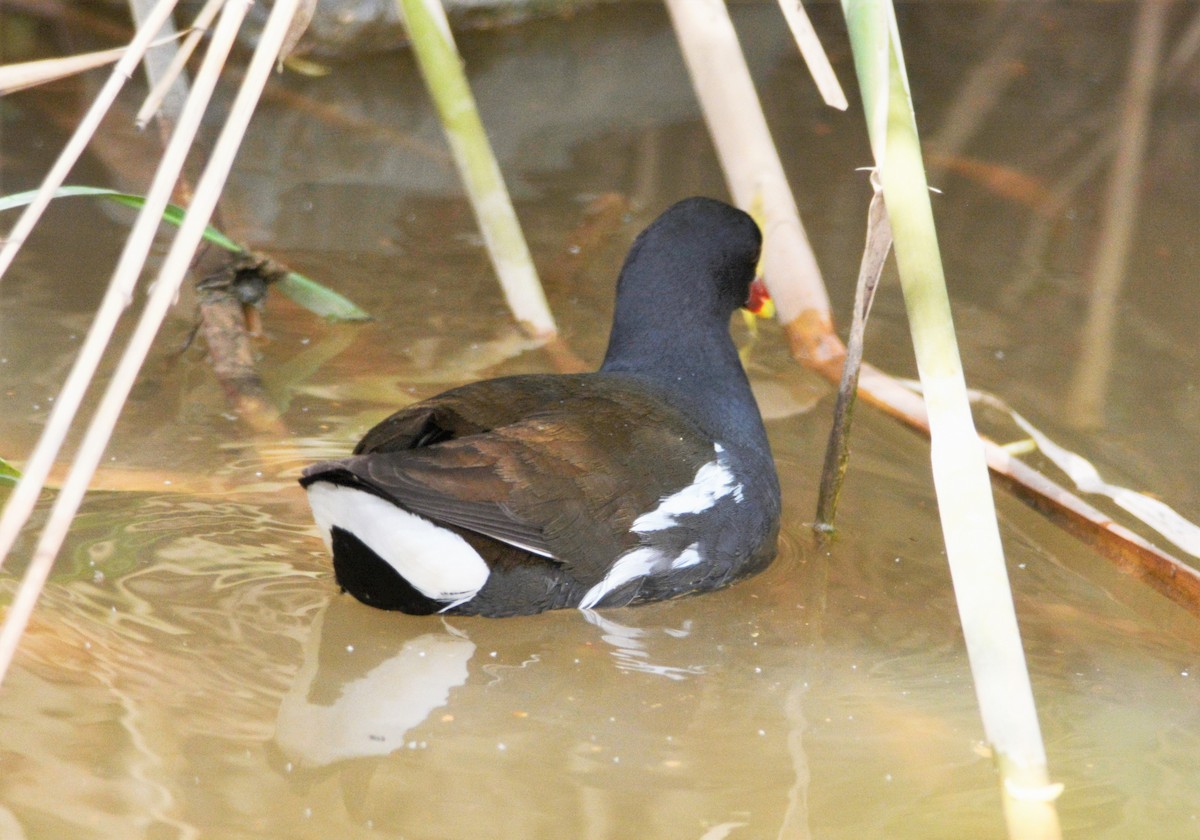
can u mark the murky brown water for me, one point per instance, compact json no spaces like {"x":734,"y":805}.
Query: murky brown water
{"x":191,"y":671}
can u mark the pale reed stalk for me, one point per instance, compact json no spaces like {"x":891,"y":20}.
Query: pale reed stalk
{"x":754,"y":172}
{"x":960,"y":476}
{"x":166,"y":286}
{"x":83,"y":133}
{"x":121,"y":286}
{"x":27,"y":74}
{"x":814,"y":54}
{"x":198,"y":30}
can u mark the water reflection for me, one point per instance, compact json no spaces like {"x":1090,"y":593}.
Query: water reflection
{"x":629,"y":647}
{"x":398,"y":721}
{"x":369,"y":678}
{"x":357,"y":697}
{"x":828,"y":698}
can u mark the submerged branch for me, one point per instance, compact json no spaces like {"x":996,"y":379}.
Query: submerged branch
{"x":1130,"y":552}
{"x":224,"y":305}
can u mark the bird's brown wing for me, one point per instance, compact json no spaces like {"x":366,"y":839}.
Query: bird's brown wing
{"x":468,"y":410}
{"x":566,"y":483}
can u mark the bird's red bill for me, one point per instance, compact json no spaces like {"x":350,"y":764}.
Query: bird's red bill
{"x":760,"y":302}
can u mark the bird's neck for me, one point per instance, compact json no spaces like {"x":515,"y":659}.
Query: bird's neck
{"x":671,"y":347}
{"x":700,"y":369}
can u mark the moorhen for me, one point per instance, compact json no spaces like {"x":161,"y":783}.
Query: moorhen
{"x":648,"y":479}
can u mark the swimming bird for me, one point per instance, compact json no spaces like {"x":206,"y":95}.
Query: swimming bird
{"x":647,"y":479}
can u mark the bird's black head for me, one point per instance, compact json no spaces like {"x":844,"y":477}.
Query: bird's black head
{"x":685,"y":275}
{"x":699,"y":255}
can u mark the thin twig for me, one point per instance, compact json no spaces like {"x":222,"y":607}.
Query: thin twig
{"x":166,"y":286}
{"x":837,"y":453}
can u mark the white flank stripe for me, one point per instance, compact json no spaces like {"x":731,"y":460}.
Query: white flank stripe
{"x":690,"y":556}
{"x":438,"y":563}
{"x":713,"y":481}
{"x":632,"y":564}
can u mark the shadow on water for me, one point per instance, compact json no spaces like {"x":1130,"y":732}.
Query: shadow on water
{"x":192,"y":672}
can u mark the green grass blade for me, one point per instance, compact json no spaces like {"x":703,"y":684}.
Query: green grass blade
{"x":173,"y":214}
{"x":305,"y":291}
{"x":319,"y":300}
{"x":9,"y":474}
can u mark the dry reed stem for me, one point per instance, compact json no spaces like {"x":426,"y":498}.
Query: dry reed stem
{"x":970,"y":529}
{"x":814,"y":54}
{"x":166,"y":286}
{"x":966,"y":508}
{"x":120,"y":290}
{"x":754,"y":172}
{"x":27,"y":74}
{"x":157,"y":93}
{"x":83,"y":133}
{"x":155,"y":64}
